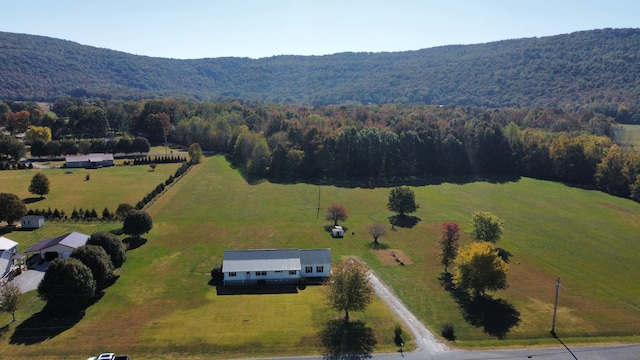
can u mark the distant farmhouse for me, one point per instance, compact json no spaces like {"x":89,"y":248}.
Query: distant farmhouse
{"x":90,"y":161}
{"x":32,"y":222}
{"x":274,"y":266}
{"x":58,"y":247}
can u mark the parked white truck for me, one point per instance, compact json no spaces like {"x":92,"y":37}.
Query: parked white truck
{"x":109,"y":356}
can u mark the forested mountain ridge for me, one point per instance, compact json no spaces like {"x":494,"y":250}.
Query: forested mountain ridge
{"x":595,"y":69}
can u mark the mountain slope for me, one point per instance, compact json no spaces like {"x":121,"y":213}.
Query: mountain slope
{"x":589,"y":69}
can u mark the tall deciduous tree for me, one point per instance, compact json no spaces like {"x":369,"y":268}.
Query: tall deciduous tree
{"x":97,"y":260}
{"x":38,"y":132}
{"x":486,"y":226}
{"x":67,"y":284}
{"x":11,"y":208}
{"x":402,"y":201}
{"x":39,"y":185}
{"x":136,"y":223}
{"x":348,"y":288}
{"x":479,"y":268}
{"x":377,"y":230}
{"x":10,"y":299}
{"x":335,"y":213}
{"x":195,"y":152}
{"x":111,"y":244}
{"x":123,"y":209}
{"x":449,"y":243}
{"x":12,"y":147}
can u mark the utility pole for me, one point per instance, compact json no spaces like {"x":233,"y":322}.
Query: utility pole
{"x":318,"y":213}
{"x":555,"y":309}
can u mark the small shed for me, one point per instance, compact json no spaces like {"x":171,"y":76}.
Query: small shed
{"x":32,"y":221}
{"x":337,"y":232}
{"x":60,"y":246}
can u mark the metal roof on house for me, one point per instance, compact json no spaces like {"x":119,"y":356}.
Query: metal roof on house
{"x":93,"y":157}
{"x":273,"y":259}
{"x":73,"y":240}
{"x":6,"y":244}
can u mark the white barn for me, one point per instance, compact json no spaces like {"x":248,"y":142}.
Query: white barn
{"x":32,"y":222}
{"x":93,"y":160}
{"x":61,"y":245}
{"x":275,"y":266}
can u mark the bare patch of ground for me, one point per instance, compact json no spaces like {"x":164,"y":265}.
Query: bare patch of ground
{"x":393,"y":257}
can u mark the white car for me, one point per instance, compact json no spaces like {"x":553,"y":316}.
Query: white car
{"x":105,"y":356}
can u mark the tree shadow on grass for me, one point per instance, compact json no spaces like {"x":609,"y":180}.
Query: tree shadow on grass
{"x":133,"y":243}
{"x":5,"y":330}
{"x":48,"y":323}
{"x":32,"y":200}
{"x":256,"y":290}
{"x":496,"y":316}
{"x":406,"y":221}
{"x":347,"y":340}
{"x":378,"y":246}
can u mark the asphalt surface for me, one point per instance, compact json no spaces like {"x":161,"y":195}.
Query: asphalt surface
{"x":29,"y":280}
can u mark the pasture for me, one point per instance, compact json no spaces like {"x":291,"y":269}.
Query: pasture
{"x":163,"y":306}
{"x":69,"y":189}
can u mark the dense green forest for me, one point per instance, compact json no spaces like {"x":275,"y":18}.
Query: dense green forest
{"x":589,"y":70}
{"x":354,"y":144}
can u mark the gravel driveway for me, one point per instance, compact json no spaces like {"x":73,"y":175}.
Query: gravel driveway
{"x":425,"y":340}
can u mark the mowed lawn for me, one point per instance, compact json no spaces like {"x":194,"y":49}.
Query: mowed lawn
{"x":69,"y":189}
{"x":163,"y":305}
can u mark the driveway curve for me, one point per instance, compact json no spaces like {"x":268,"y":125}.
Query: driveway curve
{"x":425,"y":340}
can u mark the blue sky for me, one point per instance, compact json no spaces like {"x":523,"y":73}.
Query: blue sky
{"x":191,"y":29}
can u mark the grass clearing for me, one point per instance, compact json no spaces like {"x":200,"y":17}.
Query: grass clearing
{"x":69,"y":189}
{"x":163,"y":306}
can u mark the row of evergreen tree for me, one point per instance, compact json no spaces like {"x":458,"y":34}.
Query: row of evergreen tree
{"x":146,"y":160}
{"x":160,"y":187}
{"x":76,"y":214}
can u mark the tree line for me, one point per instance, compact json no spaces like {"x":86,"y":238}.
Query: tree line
{"x":357,"y":142}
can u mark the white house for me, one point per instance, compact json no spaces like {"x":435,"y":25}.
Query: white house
{"x":275,"y":266}
{"x":60,"y":246}
{"x":93,"y":160}
{"x":8,"y":255}
{"x":32,"y":221}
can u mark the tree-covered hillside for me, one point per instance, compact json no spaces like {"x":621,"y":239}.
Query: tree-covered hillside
{"x":595,"y":70}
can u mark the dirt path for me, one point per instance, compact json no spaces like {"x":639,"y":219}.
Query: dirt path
{"x":425,"y":341}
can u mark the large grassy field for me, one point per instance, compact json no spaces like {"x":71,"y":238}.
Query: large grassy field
{"x":69,"y":189}
{"x":163,"y":306}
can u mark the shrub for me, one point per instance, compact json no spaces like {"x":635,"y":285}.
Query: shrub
{"x":397,"y":331}
{"x":448,"y":331}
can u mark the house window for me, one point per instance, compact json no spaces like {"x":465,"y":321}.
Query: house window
{"x":308,"y":269}
{"x":261,"y":273}
{"x":232,"y":274}
{"x":292,"y":272}
{"x":319,"y":269}
{"x":278,"y":271}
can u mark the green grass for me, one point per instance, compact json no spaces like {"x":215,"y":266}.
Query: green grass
{"x":163,"y":306}
{"x":107,"y":187}
{"x":631,"y":135}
